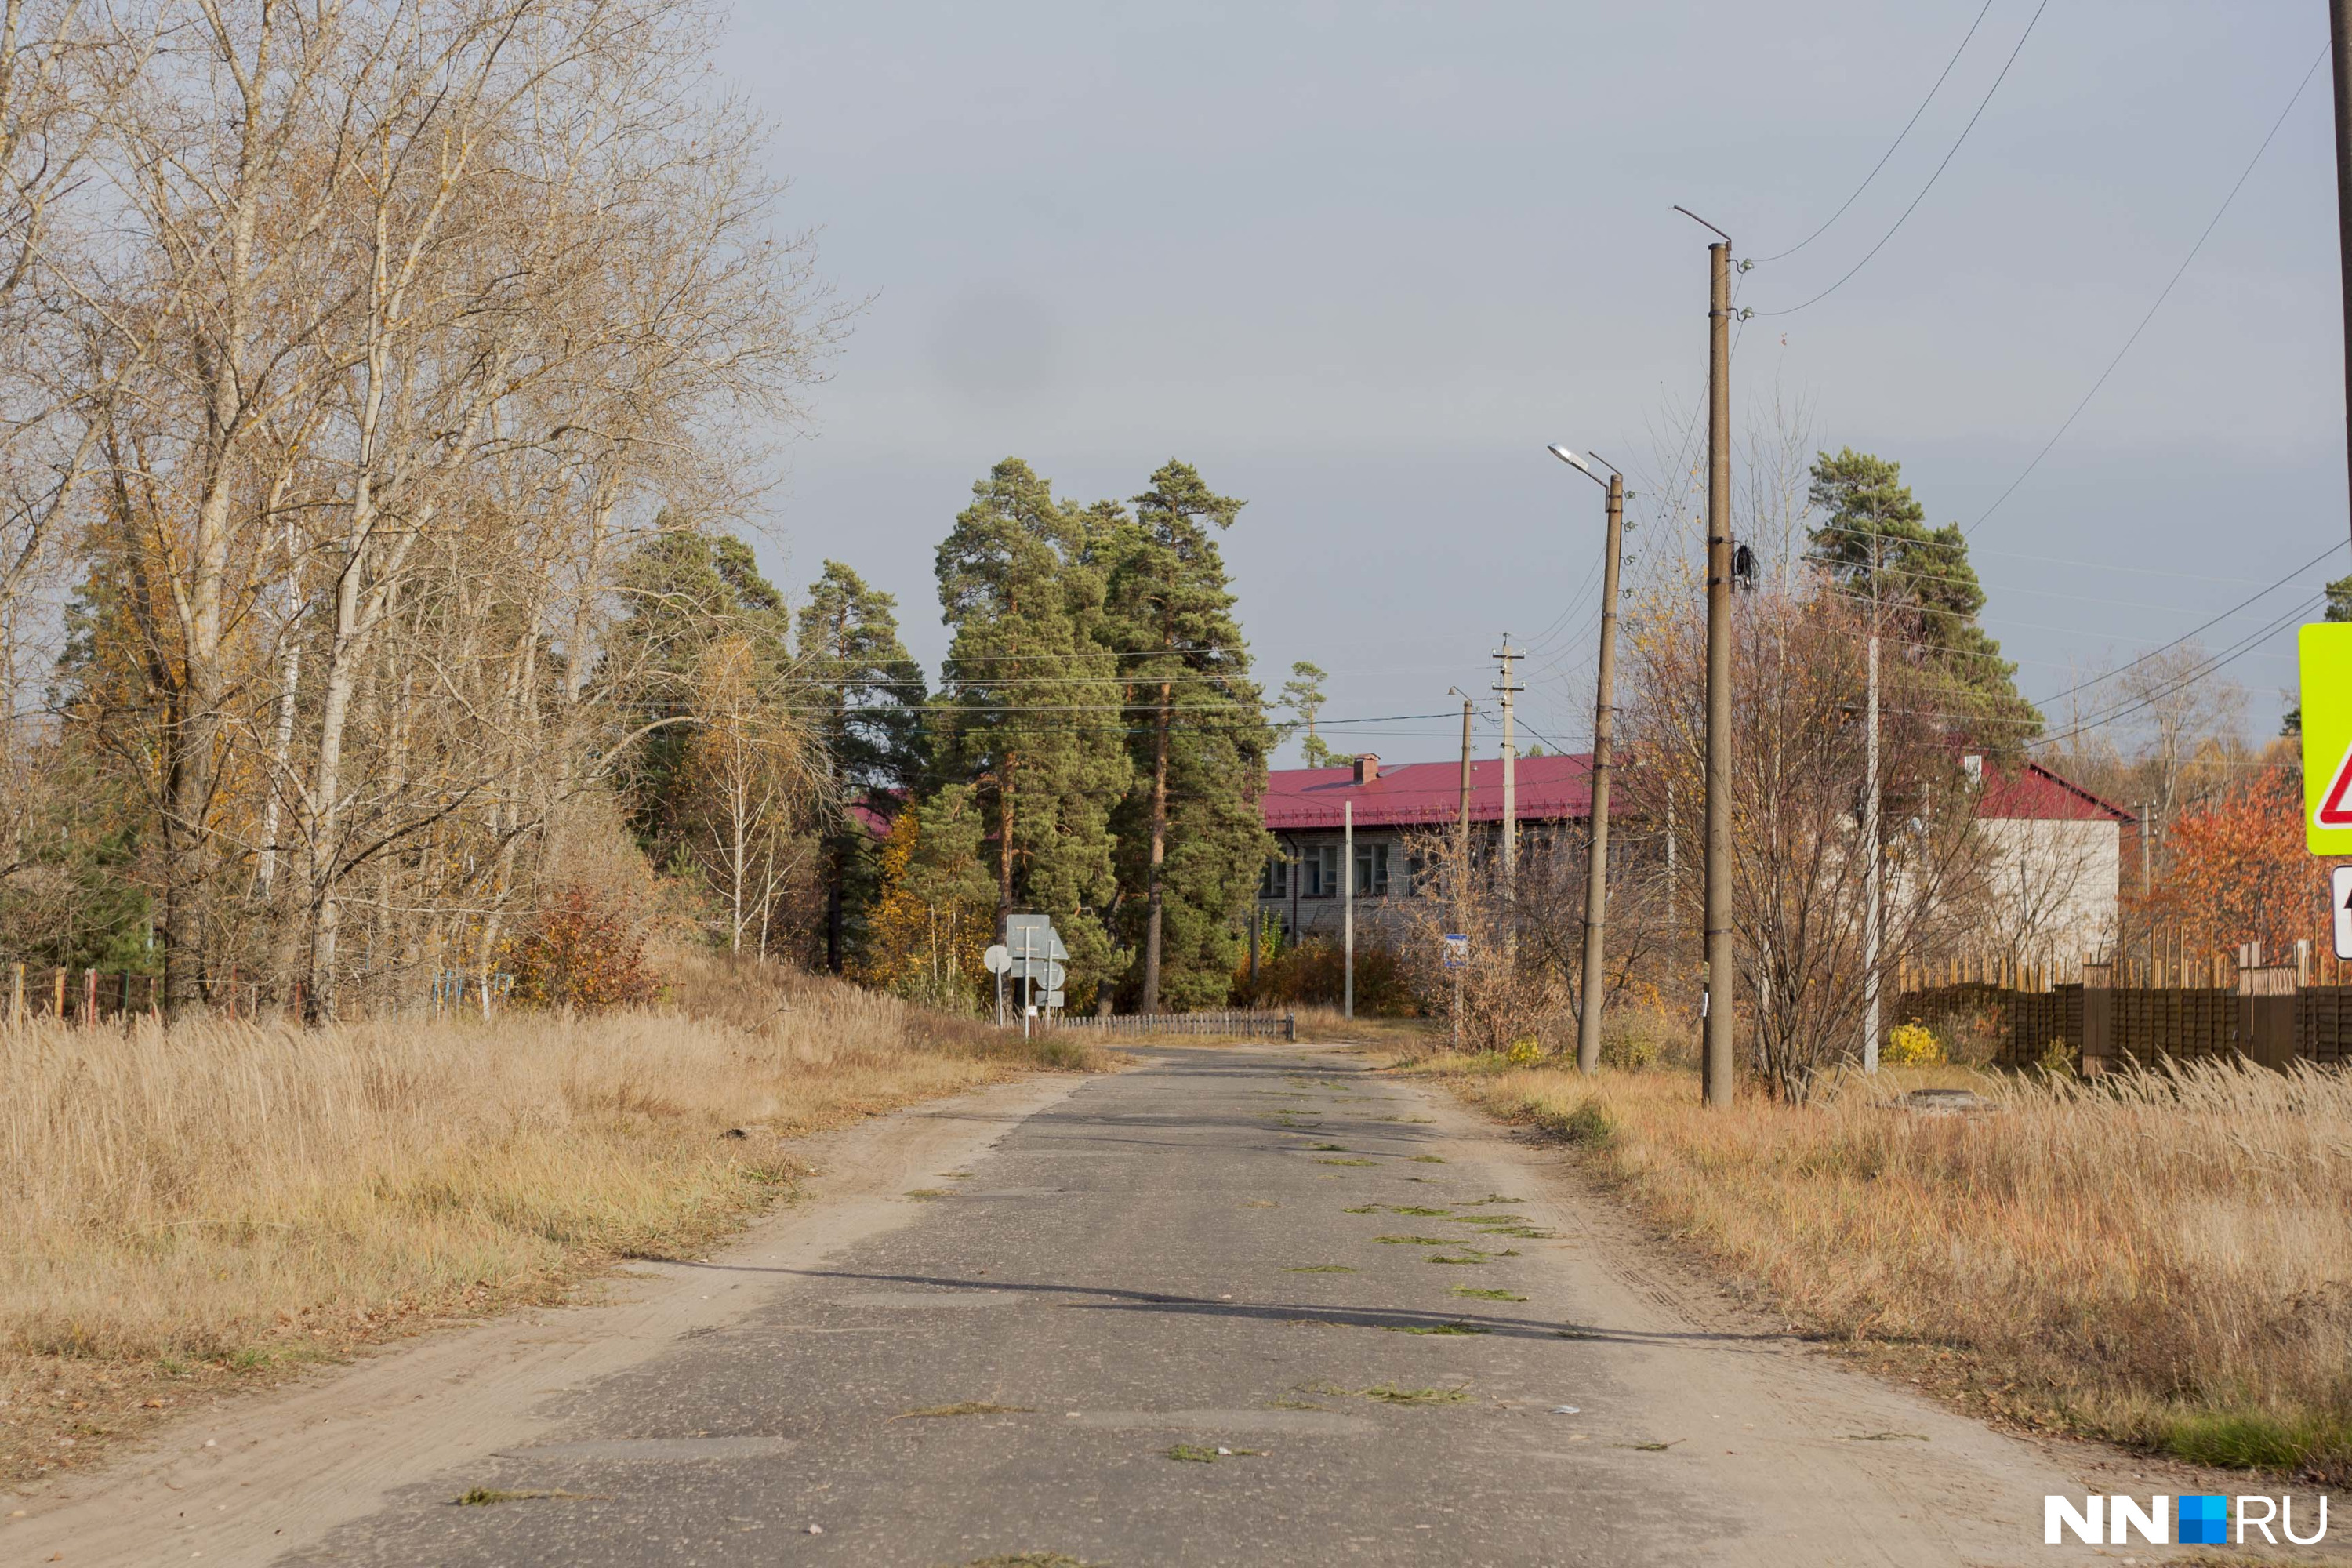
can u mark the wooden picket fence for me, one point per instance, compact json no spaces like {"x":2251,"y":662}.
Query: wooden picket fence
{"x":1245,"y":1023}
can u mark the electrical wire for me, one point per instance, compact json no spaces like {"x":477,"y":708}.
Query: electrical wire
{"x":2236,"y":650}
{"x":1908,"y":124}
{"x":2177,"y":273}
{"x":2117,"y":567}
{"x":2243,"y":604}
{"x":1930,"y":185}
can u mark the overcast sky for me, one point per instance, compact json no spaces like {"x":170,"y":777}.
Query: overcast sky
{"x":1359,"y":262}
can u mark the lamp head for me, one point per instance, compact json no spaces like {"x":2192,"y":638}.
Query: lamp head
{"x":1570,"y":459}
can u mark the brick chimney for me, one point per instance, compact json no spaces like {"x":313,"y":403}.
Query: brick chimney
{"x":1368,"y":767}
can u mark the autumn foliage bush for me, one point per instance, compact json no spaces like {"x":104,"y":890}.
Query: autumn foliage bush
{"x":1314,"y":973}
{"x":579,"y":952}
{"x":2236,"y":869}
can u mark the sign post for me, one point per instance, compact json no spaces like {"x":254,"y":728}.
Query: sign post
{"x":997,"y":960}
{"x":1457,"y":958}
{"x":1034,"y":953}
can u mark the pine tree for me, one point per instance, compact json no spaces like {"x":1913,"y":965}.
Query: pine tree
{"x":1197,"y":736}
{"x":685,"y":590}
{"x":867,"y":695}
{"x":1303,"y":695}
{"x":1877,"y":545}
{"x":1030,"y":713}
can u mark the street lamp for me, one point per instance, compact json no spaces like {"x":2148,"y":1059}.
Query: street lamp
{"x":1596,"y":873}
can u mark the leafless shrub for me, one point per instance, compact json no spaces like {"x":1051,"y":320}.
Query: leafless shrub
{"x":1799,"y":868}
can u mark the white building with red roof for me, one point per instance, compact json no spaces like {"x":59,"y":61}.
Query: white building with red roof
{"x":2057,"y":861}
{"x":2056,"y":865}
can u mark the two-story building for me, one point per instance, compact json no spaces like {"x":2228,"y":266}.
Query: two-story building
{"x":1307,"y":811}
{"x":2056,"y":848}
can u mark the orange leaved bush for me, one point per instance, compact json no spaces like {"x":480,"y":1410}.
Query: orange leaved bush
{"x":2236,"y":870}
{"x":579,"y":952}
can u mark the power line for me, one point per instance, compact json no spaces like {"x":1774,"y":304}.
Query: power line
{"x":1908,"y":124}
{"x":2114,"y":566}
{"x":2262,"y":593}
{"x":2177,"y":272}
{"x":2236,"y":650}
{"x":1938,"y":175}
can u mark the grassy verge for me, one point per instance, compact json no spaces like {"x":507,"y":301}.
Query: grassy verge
{"x":1325,"y":1025}
{"x":221,"y":1203}
{"x":2165,"y":1262}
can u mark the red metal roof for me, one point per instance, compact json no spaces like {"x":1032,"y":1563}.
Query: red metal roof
{"x":1411,"y":794}
{"x":1560,"y":788}
{"x":2034,"y":793}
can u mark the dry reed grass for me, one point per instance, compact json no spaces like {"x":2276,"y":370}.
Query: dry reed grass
{"x":223,"y":1198}
{"x":2163,"y":1260}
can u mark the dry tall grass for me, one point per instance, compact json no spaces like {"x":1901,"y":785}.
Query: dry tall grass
{"x":2164,"y":1260}
{"x":228,"y":1195}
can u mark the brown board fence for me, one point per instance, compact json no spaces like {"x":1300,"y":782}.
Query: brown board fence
{"x":2101,"y":1029}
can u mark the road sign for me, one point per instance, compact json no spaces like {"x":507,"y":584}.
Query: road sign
{"x":996,"y":960}
{"x":2340,"y":896}
{"x":1034,"y":936}
{"x":2327,"y":660}
{"x":1457,"y":950}
{"x":1054,"y":999}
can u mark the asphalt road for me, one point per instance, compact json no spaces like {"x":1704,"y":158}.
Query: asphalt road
{"x":1234,"y":1306}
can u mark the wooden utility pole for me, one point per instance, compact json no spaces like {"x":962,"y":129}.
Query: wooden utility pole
{"x":1596,"y":866}
{"x":2339,"y":52}
{"x":1722,"y":982}
{"x":1154,"y":895}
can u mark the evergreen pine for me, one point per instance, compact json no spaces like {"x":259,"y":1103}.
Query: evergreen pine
{"x":868,"y":698}
{"x":686,"y":589}
{"x":1303,"y":695}
{"x":1877,"y":545}
{"x":1030,"y":712}
{"x":1191,"y":833}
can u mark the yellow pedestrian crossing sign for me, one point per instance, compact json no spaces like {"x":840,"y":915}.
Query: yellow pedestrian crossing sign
{"x":2327,"y":661}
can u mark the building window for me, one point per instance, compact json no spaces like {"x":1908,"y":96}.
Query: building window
{"x":1274,"y":881}
{"x":1371,"y":870}
{"x":1318,"y":871}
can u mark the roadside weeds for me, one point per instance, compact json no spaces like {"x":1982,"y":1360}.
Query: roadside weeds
{"x":2166,"y":1263}
{"x":228,"y":1203}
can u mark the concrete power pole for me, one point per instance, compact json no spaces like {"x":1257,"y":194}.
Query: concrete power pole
{"x":1875,"y":872}
{"x":2339,"y":33}
{"x":1461,"y":865}
{"x":1348,"y":902}
{"x":1506,"y":655}
{"x":1722,"y":980}
{"x":1596,"y":867}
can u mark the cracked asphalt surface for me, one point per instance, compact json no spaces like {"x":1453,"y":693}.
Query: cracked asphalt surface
{"x":1236,"y":1306}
